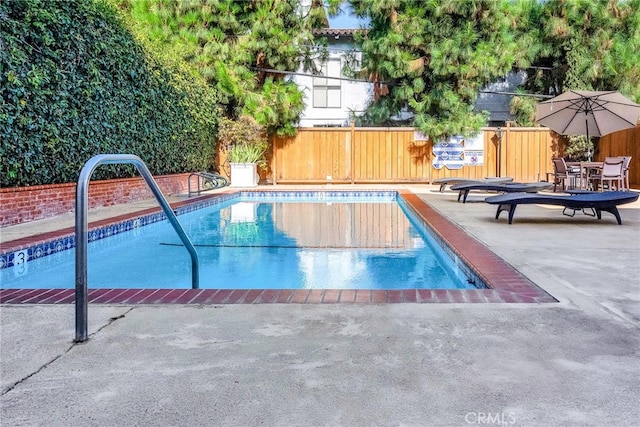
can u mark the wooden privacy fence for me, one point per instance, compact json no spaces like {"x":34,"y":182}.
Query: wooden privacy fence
{"x":623,"y":143}
{"x":392,"y":155}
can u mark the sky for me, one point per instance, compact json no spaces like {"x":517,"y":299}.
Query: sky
{"x":345,"y":20}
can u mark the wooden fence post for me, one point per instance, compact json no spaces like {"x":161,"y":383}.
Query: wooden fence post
{"x":350,"y":142}
{"x":505,"y":144}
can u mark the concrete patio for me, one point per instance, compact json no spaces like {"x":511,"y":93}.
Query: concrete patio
{"x":571,"y":363}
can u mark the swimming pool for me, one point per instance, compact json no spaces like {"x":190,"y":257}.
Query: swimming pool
{"x":504,"y":283}
{"x":259,"y":240}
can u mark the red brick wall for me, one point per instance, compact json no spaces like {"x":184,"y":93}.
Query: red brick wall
{"x":24,"y":204}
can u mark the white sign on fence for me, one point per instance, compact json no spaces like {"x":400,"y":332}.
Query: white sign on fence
{"x":459,"y":151}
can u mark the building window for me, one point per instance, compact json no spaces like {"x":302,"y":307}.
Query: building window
{"x":326,"y":92}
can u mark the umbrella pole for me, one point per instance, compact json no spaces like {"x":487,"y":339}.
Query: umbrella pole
{"x":586,"y":124}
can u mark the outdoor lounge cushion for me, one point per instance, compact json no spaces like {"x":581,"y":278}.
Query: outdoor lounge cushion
{"x":444,"y":181}
{"x":508,"y":187}
{"x":598,"y":202}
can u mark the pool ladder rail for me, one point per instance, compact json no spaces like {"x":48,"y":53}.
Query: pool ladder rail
{"x":82,"y":230}
{"x":206,"y":181}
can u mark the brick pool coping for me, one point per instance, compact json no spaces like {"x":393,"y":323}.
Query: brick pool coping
{"x":506,"y":284}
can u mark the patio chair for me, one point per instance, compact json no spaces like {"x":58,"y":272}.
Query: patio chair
{"x":625,"y":169}
{"x":562,"y":173}
{"x":508,"y":187}
{"x":597,"y":201}
{"x":626,"y":161}
{"x":612,"y":170}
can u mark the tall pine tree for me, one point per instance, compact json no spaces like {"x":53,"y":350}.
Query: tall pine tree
{"x":235,"y":44}
{"x":582,"y":44}
{"x":430,"y":58}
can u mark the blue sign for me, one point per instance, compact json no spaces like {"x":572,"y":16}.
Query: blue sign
{"x":449,"y":154}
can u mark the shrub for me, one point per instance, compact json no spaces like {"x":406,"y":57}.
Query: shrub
{"x":244,"y":140}
{"x":75,"y":82}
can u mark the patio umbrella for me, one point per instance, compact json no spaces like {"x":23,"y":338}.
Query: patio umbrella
{"x":590,"y":113}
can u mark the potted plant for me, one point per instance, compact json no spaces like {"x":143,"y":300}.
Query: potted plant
{"x":245,"y":144}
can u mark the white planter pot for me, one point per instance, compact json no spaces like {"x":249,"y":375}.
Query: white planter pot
{"x":244,"y":175}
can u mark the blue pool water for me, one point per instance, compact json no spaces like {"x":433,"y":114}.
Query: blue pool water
{"x":266,"y":242}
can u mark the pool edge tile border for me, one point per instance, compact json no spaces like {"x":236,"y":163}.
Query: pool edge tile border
{"x":505,"y":283}
{"x":495,"y":272}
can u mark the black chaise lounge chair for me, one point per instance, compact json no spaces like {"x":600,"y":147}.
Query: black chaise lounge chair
{"x":606,"y":201}
{"x":453,"y":181}
{"x":507,"y":187}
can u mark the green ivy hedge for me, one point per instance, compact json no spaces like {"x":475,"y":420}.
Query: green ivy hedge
{"x":75,"y":82}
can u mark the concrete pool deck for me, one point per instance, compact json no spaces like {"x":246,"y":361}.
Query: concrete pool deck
{"x":574,"y":362}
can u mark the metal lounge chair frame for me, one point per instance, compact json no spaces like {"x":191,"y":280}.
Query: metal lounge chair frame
{"x":509,"y":187}
{"x":454,"y":181}
{"x":598,"y":201}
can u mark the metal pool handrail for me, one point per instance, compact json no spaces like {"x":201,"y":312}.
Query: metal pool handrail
{"x":82,"y":234}
{"x":219,"y":181}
